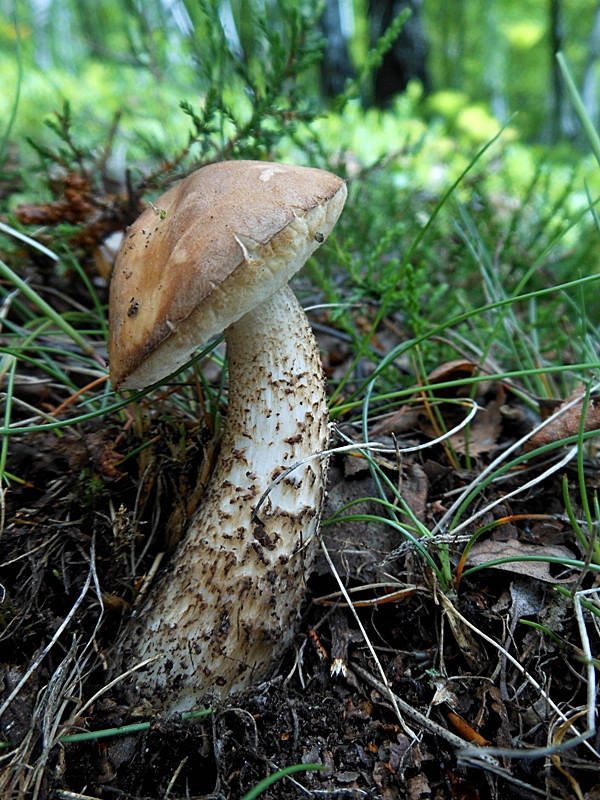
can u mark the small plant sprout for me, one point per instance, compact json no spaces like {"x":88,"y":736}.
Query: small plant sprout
{"x":232,"y":236}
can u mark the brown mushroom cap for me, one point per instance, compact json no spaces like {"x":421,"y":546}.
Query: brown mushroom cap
{"x":209,"y":250}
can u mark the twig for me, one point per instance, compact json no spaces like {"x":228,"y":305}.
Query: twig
{"x":540,"y":752}
{"x":78,"y":393}
{"x":589,"y":661}
{"x":479,"y":757}
{"x":37,"y":661}
{"x":365,"y":636}
{"x":425,"y":722}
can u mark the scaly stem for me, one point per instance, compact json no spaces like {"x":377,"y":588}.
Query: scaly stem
{"x":225,"y":611}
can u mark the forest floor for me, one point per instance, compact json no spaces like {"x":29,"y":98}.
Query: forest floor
{"x":464,"y":673}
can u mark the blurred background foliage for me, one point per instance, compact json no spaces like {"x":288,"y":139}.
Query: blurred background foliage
{"x":465,"y":65}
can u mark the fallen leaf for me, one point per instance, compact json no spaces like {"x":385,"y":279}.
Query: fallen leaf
{"x":456,"y":370}
{"x":398,"y":422}
{"x":444,"y":693}
{"x":491,"y":549}
{"x":567,"y":424}
{"x":483,"y":432}
{"x":418,"y":787}
{"x":479,"y":437}
{"x":470,"y":649}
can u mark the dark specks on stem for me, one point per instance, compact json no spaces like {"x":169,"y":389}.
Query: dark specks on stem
{"x":293,"y":439}
{"x":259,"y":552}
{"x":134,"y":307}
{"x":250,"y":494}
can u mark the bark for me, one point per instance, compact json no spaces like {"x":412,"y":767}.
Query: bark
{"x":336,"y":67}
{"x":407,"y":58}
{"x":561,"y":122}
{"x":589,"y":89}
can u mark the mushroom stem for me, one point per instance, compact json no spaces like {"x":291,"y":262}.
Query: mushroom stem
{"x":225,"y":610}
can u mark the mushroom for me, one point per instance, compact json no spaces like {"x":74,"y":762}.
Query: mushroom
{"x":215,"y":253}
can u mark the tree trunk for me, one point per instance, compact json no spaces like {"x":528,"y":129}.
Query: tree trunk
{"x":336,"y":67}
{"x":407,"y":58}
{"x":589,"y":88}
{"x":559,"y":121}
{"x":494,"y":64}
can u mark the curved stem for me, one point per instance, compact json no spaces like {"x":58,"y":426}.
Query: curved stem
{"x":225,"y":610}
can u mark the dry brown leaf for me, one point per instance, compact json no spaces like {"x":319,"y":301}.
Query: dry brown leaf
{"x":502,"y":735}
{"x":418,"y":787}
{"x":483,"y":434}
{"x":483,"y":431}
{"x":413,"y":415}
{"x":491,"y":549}
{"x":398,"y":422}
{"x":455,"y":370}
{"x":356,"y":546}
{"x":567,"y":424}
{"x":556,"y":757}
